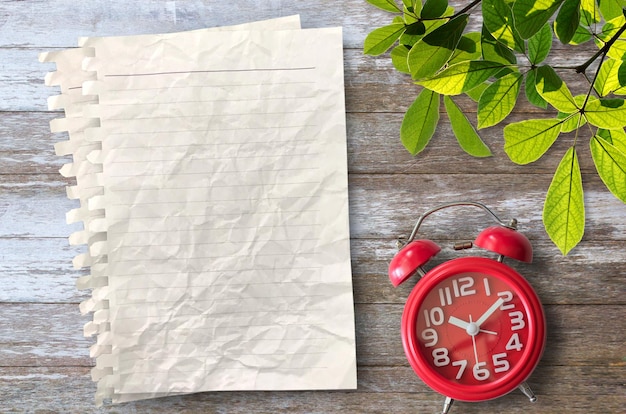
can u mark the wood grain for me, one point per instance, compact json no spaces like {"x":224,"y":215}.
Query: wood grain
{"x":44,"y":358}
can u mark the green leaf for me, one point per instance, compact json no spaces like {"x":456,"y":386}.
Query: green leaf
{"x":564,"y":209}
{"x":567,"y":21}
{"x":581,"y":36}
{"x":531,"y":15}
{"x":589,"y":12}
{"x":531,"y":90}
{"x":610,"y":29}
{"x":571,"y":122}
{"x":412,"y":8}
{"x":611,"y":9}
{"x":495,"y":51}
{"x":432,"y":52}
{"x":420,"y":121}
{"x":539,"y":45}
{"x":464,"y":131}
{"x":413,"y":33}
{"x":398,"y":58}
{"x":498,"y":19}
{"x":498,"y":100}
{"x":606,"y":80}
{"x":380,"y":40}
{"x":610,"y":163}
{"x":616,"y":137}
{"x":618,"y":49}
{"x":621,"y":74}
{"x":476,"y":92}
{"x":606,"y":113}
{"x":551,"y":88}
{"x":434,"y":8}
{"x":468,"y":48}
{"x":462,"y":77}
{"x":386,"y":5}
{"x":527,"y":141}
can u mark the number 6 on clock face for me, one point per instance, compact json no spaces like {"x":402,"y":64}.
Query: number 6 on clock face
{"x":473,"y":329}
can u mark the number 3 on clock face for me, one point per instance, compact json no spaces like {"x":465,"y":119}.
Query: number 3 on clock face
{"x":473,"y":329}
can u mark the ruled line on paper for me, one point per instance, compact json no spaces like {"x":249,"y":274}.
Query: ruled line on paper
{"x":246,"y":368}
{"x":207,"y":327}
{"x":204,"y":116}
{"x":116,"y":75}
{"x":237,"y":227}
{"x":214,"y":130}
{"x":205,"y":85}
{"x":152,"y":174}
{"x":224,"y":158}
{"x":212,"y":312}
{"x":220,"y":271}
{"x":169,"y":260}
{"x":215,"y":284}
{"x":213,"y":144}
{"x":215,"y":200}
{"x":290,"y":98}
{"x":317,"y":347}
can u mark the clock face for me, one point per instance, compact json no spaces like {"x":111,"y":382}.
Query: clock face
{"x":473,"y":329}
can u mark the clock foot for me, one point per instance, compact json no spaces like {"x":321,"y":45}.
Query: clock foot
{"x":447,"y":404}
{"x":525,"y":388}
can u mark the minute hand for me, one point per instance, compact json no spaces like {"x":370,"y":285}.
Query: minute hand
{"x":489,"y":312}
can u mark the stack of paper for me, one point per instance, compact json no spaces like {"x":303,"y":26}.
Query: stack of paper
{"x":211,"y":172}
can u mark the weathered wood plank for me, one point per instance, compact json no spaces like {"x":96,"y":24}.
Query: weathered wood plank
{"x":50,"y":335}
{"x":572,"y":340}
{"x":31,"y":25}
{"x":387,"y":206}
{"x":27,"y":145}
{"x":69,"y":389}
{"x":38,"y":270}
{"x":372,"y":84}
{"x":374,"y":147}
{"x":36,"y":209}
{"x":382,"y":206}
{"x":593,"y":274}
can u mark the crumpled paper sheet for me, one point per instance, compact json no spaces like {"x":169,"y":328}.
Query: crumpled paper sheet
{"x":224,"y":179}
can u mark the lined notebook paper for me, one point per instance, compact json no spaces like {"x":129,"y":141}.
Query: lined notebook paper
{"x":211,"y":171}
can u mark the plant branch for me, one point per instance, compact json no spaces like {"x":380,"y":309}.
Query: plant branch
{"x":468,"y":7}
{"x":460,"y":12}
{"x":602,"y":52}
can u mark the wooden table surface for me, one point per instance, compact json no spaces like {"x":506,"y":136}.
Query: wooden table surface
{"x":44,"y":359}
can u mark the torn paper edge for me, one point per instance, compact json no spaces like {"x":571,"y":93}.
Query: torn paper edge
{"x":84,"y":144}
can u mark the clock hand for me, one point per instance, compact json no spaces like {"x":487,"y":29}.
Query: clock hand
{"x":458,"y":322}
{"x":465,"y":325}
{"x":489,"y":312}
{"x":474,"y":343}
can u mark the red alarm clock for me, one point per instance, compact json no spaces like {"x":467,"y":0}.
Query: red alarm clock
{"x":473,"y":328}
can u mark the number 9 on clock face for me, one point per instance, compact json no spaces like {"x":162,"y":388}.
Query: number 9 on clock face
{"x":473,"y":329}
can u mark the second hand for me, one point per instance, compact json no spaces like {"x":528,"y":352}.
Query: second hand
{"x":474,"y":343}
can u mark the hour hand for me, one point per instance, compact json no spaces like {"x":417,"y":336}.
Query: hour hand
{"x":467,"y":326}
{"x":458,"y":322}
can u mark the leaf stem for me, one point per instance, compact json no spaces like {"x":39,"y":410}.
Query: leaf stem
{"x":602,"y":52}
{"x":460,"y":12}
{"x":468,"y":7}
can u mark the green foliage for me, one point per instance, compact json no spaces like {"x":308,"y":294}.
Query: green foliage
{"x":420,"y":121}
{"x":466,"y":135}
{"x":430,"y":41}
{"x":564,"y":209}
